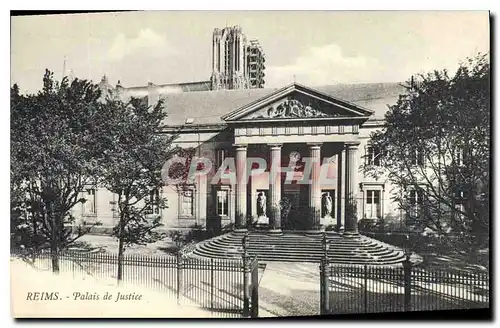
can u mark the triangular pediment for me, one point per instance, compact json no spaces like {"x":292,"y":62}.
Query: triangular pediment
{"x":297,"y":102}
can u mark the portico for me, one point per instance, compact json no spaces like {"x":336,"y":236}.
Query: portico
{"x":325,"y":132}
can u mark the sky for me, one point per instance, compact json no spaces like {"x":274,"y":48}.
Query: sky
{"x":311,"y":47}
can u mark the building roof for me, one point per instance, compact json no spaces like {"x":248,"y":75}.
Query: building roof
{"x":141,"y":91}
{"x":207,"y":107}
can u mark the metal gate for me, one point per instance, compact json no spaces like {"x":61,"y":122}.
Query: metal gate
{"x":220,"y":285}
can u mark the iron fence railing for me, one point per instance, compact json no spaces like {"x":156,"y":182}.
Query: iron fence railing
{"x":372,"y":289}
{"x":216,"y":285}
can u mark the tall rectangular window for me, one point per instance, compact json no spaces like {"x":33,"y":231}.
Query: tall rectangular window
{"x":416,"y":202}
{"x":460,"y":199}
{"x":373,"y":208}
{"x":153,"y":200}
{"x":115,"y":207}
{"x":458,"y":156}
{"x":416,"y":157}
{"x":186,"y":208}
{"x":222,"y":202}
{"x":219,"y":159}
{"x":89,"y":207}
{"x":372,"y":156}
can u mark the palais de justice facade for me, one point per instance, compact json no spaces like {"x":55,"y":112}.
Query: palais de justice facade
{"x":332,"y":122}
{"x":232,"y":115}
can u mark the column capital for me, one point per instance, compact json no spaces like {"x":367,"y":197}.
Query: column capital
{"x":352,"y":145}
{"x":314,"y":145}
{"x":240,"y":146}
{"x":274,"y":145}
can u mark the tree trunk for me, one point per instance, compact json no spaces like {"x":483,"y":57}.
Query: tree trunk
{"x":54,"y":254}
{"x":119,"y":275}
{"x":55,"y":260}
{"x":35,"y":228}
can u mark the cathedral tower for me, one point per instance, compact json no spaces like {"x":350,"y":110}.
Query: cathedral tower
{"x":256,"y":64}
{"x":229,"y":59}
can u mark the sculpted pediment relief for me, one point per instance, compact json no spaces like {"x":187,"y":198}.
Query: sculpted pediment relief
{"x":296,"y":101}
{"x":289,"y":108}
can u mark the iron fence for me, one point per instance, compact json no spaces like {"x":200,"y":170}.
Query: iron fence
{"x":216,"y":285}
{"x":372,"y":289}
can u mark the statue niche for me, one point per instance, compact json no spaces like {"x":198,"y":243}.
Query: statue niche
{"x":261,"y":204}
{"x":262,"y":208}
{"x":326,"y":205}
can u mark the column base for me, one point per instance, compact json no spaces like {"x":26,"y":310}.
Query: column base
{"x":350,"y":234}
{"x":314,"y":233}
{"x":275,"y":232}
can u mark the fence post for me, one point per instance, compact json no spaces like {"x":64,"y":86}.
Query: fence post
{"x":246,"y":271}
{"x":255,"y":289}
{"x":324,"y":284}
{"x":179,"y":277}
{"x":324,"y":297}
{"x":407,"y":267}
{"x":365,"y":295}
{"x":211,"y":283}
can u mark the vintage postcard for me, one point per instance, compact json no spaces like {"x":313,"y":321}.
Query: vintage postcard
{"x":259,"y":164}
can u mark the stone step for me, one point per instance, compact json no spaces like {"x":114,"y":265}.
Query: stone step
{"x":294,"y":240}
{"x":278,"y":249}
{"x":303,"y":242}
{"x":387,"y":254}
{"x":295,"y":237}
{"x":298,"y":246}
{"x":284,"y":236}
{"x":301,"y":248}
{"x":344,"y":260}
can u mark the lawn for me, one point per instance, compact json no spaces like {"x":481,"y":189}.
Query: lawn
{"x":109,"y":244}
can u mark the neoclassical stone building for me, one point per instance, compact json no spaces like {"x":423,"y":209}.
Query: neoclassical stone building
{"x":330,"y":125}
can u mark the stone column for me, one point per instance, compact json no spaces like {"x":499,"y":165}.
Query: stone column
{"x":240,"y":221}
{"x":351,"y":189}
{"x":275,"y":188}
{"x":315,"y":188}
{"x":214,"y":56}
{"x":340,"y":190}
{"x":382,"y":208}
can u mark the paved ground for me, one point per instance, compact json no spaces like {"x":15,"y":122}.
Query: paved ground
{"x":289,"y":289}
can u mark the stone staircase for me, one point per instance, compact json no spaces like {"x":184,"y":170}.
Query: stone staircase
{"x":299,"y":247}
